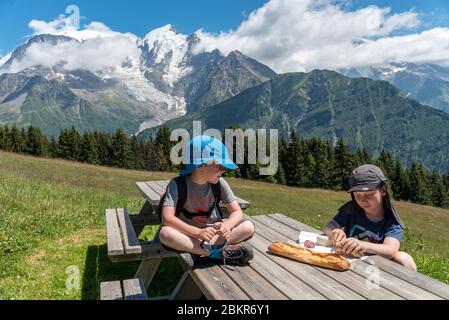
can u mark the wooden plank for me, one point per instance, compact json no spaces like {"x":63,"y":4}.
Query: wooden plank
{"x":130,"y":241}
{"x":162,"y":184}
{"x":216,"y":284}
{"x":295,"y":224}
{"x":394,"y":284}
{"x":416,"y":278}
{"x":114,"y":239}
{"x":252,"y":283}
{"x":111,"y":291}
{"x":156,"y":188}
{"x":326,"y":284}
{"x":400,"y":287}
{"x":243,"y":203}
{"x":133,"y":289}
{"x":148,"y":193}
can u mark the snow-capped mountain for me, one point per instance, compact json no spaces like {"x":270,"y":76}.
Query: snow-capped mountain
{"x":97,"y":80}
{"x":426,"y":83}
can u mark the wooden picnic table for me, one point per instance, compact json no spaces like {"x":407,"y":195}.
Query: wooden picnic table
{"x":273,"y":277}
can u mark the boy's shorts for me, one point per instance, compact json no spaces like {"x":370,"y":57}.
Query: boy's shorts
{"x":241,"y":221}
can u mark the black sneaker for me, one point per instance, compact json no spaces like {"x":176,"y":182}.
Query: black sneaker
{"x":238,"y":254}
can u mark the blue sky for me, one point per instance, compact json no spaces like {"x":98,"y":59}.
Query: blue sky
{"x":187,"y":16}
{"x":135,"y":16}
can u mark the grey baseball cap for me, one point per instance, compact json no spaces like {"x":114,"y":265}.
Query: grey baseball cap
{"x":365,"y":178}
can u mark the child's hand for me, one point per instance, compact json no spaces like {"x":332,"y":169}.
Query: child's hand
{"x":207,"y":233}
{"x":222,"y":229}
{"x":352,"y":247}
{"x":338,"y":235}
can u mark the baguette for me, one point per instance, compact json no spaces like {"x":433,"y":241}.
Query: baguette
{"x":295,"y":252}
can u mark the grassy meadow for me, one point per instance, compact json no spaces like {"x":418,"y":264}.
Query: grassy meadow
{"x":52,"y":222}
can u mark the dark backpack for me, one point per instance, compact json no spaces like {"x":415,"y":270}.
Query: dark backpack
{"x":182,"y":197}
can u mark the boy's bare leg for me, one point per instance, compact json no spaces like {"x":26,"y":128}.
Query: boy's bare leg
{"x":179,"y":241}
{"x":405,"y":259}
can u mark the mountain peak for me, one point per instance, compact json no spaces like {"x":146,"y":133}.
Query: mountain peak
{"x":160,"y":32}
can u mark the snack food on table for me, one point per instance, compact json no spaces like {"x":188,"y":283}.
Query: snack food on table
{"x":324,"y":241}
{"x":295,"y":252}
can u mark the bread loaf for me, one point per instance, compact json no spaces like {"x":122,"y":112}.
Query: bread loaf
{"x":295,"y":252}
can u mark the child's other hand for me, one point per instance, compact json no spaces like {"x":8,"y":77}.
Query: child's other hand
{"x":352,"y":247}
{"x":207,"y":233}
{"x":223,"y":229}
{"x":338,"y":235}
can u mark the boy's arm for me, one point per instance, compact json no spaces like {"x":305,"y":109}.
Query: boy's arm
{"x":235,"y":214}
{"x":388,"y":249}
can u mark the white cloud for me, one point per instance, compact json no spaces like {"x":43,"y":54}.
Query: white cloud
{"x":301,"y":35}
{"x":96,"y":47}
{"x":94,"y":54}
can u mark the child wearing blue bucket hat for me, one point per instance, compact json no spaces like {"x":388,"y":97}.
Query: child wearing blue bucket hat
{"x":369,"y":223}
{"x":192,"y":220}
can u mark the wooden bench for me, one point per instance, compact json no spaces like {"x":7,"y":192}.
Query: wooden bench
{"x":132,"y":289}
{"x":123,"y":232}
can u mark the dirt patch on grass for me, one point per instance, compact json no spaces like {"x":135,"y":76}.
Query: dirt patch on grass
{"x":36,"y":259}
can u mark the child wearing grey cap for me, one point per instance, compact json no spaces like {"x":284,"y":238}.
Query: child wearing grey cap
{"x":369,"y":223}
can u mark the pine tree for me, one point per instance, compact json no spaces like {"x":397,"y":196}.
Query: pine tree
{"x":344,"y":164}
{"x":18,"y":140}
{"x":149,"y":155}
{"x":2,"y":135}
{"x":282,"y":158}
{"x":35,"y":142}
{"x":362,"y":157}
{"x":162,"y":149}
{"x":294,"y":166}
{"x":121,"y":150}
{"x":53,"y":148}
{"x":69,"y":144}
{"x":104,"y":146}
{"x":446,"y":182}
{"x":399,"y":182}
{"x":89,"y":149}
{"x":137,"y":153}
{"x":386,"y":163}
{"x":323,"y":155}
{"x":437,"y":192}
{"x":6,"y":139}
{"x":419,"y":191}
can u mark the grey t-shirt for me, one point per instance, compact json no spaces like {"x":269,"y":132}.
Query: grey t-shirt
{"x":200,"y":198}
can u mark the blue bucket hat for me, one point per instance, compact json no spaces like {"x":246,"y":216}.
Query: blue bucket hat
{"x":205,"y":149}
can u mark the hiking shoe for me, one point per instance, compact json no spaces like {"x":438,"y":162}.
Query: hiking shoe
{"x":237,"y":254}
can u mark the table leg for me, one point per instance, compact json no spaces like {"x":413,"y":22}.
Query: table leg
{"x":147,"y":209}
{"x":186,"y":289}
{"x":147,"y":270}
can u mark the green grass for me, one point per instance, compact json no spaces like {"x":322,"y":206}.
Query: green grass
{"x":52,"y":220}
